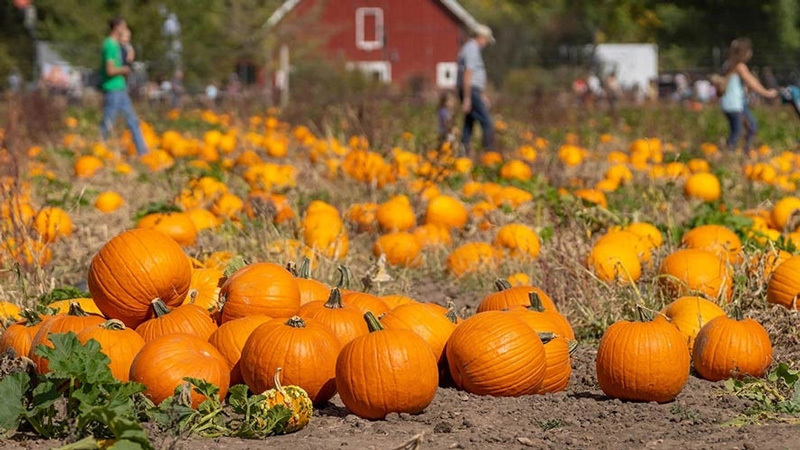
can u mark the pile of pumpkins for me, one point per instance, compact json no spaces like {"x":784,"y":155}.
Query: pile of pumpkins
{"x":159,"y":319}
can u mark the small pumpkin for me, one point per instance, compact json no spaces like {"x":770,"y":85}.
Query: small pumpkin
{"x":732,"y":348}
{"x":690,"y":314}
{"x":230,"y":338}
{"x":472,"y":257}
{"x":784,"y":284}
{"x":496,"y":354}
{"x":519,"y":239}
{"x":508,"y":296}
{"x":434,"y":328}
{"x":396,"y":214}
{"x":108,"y":202}
{"x":642,"y":361}
{"x":703,"y":186}
{"x":260,"y":289}
{"x":446,"y":211}
{"x":614,"y":263}
{"x":205,"y":287}
{"x":19,"y":336}
{"x":691,"y":272}
{"x":163,"y":363}
{"x":305,"y":349}
{"x":9,"y":311}
{"x":52,"y":223}
{"x":543,"y":320}
{"x":365,"y":302}
{"x":374,"y":381}
{"x":177,"y":225}
{"x":294,"y":398}
{"x":87,"y":304}
{"x":715,"y":239}
{"x":400,"y":248}
{"x":188,"y":319}
{"x":120,"y":344}
{"x":345,"y":321}
{"x":558,"y":351}
{"x":75,"y":321}
{"x":310,"y":289}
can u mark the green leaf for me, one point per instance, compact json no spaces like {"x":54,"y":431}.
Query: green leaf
{"x":12,"y":390}
{"x":69,"y":359}
{"x":63,"y":293}
{"x":128,"y":433}
{"x":156,"y":208}
{"x":87,"y":443}
{"x":236,"y":263}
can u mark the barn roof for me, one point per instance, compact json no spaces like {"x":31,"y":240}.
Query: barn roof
{"x":451,"y":5}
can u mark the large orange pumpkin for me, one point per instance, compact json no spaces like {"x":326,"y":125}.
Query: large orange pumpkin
{"x":715,"y":239}
{"x":434,"y":328}
{"x":135,"y":268}
{"x":784,"y":284}
{"x":690,"y":314}
{"x":691,"y":272}
{"x":731,"y":347}
{"x":163,"y":363}
{"x":305,"y":349}
{"x":507,"y":297}
{"x":75,"y":321}
{"x":496,"y":354}
{"x":177,"y":225}
{"x":260,"y":289}
{"x":386,"y":371}
{"x":189,"y":319}
{"x":345,"y":321}
{"x":120,"y":344}
{"x":230,"y":338}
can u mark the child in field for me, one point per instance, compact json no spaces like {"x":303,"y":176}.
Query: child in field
{"x":444,"y":115}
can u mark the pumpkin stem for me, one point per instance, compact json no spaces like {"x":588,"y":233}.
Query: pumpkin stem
{"x":335,"y":299}
{"x":296,"y":322}
{"x":547,"y":337}
{"x":276,"y":380}
{"x":642,"y":311}
{"x":344,"y":277}
{"x":305,"y":268}
{"x":31,"y":317}
{"x":451,"y":312}
{"x":193,"y":293}
{"x":113,"y":324}
{"x":159,"y":308}
{"x":536,"y":302}
{"x":502,"y":284}
{"x":372,"y":322}
{"x":737,"y":311}
{"x":573,"y":345}
{"x":292,"y":268}
{"x":76,"y":310}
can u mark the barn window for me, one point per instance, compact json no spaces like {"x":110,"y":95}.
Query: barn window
{"x":369,"y":28}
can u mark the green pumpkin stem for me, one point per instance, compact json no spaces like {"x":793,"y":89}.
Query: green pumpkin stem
{"x":76,"y":310}
{"x":344,"y":277}
{"x":451,"y":312}
{"x":502,"y":284}
{"x":305,"y":268}
{"x":113,"y":324}
{"x":296,"y":322}
{"x":159,"y":308}
{"x":292,"y":268}
{"x":547,"y":337}
{"x":335,"y":299}
{"x":372,"y":322}
{"x":573,"y":345}
{"x":536,"y":302}
{"x":737,"y":312}
{"x":642,"y":311}
{"x":31,"y":316}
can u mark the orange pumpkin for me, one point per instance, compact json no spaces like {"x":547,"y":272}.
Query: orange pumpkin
{"x":135,"y":268}
{"x":784,"y":284}
{"x":557,"y":351}
{"x":494,"y":353}
{"x":75,"y":321}
{"x":542,"y":320}
{"x":204,"y":288}
{"x":310,"y":289}
{"x":230,"y":338}
{"x":692,"y":271}
{"x":434,"y":328}
{"x":446,"y":211}
{"x":163,"y":363}
{"x":345,"y":321}
{"x":507,"y":297}
{"x":393,"y":301}
{"x":52,"y":223}
{"x":731,"y":347}
{"x":365,"y":302}
{"x":690,"y":314}
{"x":400,"y":248}
{"x":188,"y":319}
{"x":305,"y":349}
{"x":715,"y":239}
{"x":177,"y":225}
{"x":120,"y":344}
{"x":19,"y":336}
{"x":260,"y":289}
{"x":373,"y":380}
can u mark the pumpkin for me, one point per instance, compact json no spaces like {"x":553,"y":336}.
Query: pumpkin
{"x":396,"y":214}
{"x":519,"y":239}
{"x":641,"y":246}
{"x":9,"y":311}
{"x":715,"y":239}
{"x":642,"y":361}
{"x":204,"y":288}
{"x":202,"y":219}
{"x":133,"y":269}
{"x":432,"y":236}
{"x":386,"y":371}
{"x":305,"y":349}
{"x":163,"y":363}
{"x":446,"y":211}
{"x":345,"y":321}
{"x":542,"y":320}
{"x":558,"y":351}
{"x":176,"y":225}
{"x":690,"y":314}
{"x":188,"y":319}
{"x":260,"y":289}
{"x":507,"y":297}
{"x":393,"y":301}
{"x":765,"y":264}
{"x":783,"y":210}
{"x":108,"y":202}
{"x":647,"y":231}
{"x":294,"y":398}
{"x":75,"y":321}
{"x":494,"y":353}
{"x":19,"y":336}
{"x":87,"y":304}
{"x":784,"y":284}
{"x":703,"y":186}
{"x":310,"y":289}
{"x":400,"y":248}
{"x":87,"y":165}
{"x":434,"y":328}
{"x":229,"y":339}
{"x":516,"y":170}
{"x":52,"y":223}
{"x":472,"y":257}
{"x":120,"y":344}
{"x":613,"y":263}
{"x":365,"y":302}
{"x":692,"y":272}
{"x":732,"y":348}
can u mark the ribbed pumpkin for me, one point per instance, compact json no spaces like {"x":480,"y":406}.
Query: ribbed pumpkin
{"x":310,"y":289}
{"x":765,"y":264}
{"x":715,"y":239}
{"x":75,"y":321}
{"x":52,"y":223}
{"x":230,"y":338}
{"x":507,"y":296}
{"x":690,"y":314}
{"x":784,"y":284}
{"x":643,"y":361}
{"x":188,"y":319}
{"x":365,"y":302}
{"x":87,"y":304}
{"x":135,"y":268}
{"x":18,"y":336}
{"x":305,"y":349}
{"x":163,"y":363}
{"x":732,"y":347}
{"x":177,"y":225}
{"x":394,"y":300}
{"x":294,"y":398}
{"x":494,"y":353}
{"x":692,"y":271}
{"x":434,"y":328}
{"x":260,"y":289}
{"x":204,"y":288}
{"x":120,"y":344}
{"x":615,"y":263}
{"x":345,"y":321}
{"x":386,"y":371}
{"x":542,"y":320}
{"x":400,"y":248}
{"x":557,"y":351}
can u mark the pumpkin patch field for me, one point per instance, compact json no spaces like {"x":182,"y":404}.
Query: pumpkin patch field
{"x":264,"y":277}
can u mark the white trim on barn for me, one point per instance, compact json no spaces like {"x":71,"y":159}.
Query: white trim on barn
{"x":361,"y":42}
{"x":446,"y":73}
{"x":382,"y":70}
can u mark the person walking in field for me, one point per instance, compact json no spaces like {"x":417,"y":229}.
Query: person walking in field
{"x":737,"y":78}
{"x":113,"y":70}
{"x":471,"y":84}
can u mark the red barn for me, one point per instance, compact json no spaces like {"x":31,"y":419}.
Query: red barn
{"x":398,"y":41}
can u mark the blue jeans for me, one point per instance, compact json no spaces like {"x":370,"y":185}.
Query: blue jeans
{"x":738,"y":119}
{"x":481,"y":114}
{"x":115,"y":102}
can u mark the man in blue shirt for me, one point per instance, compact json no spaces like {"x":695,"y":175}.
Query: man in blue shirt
{"x":471,"y":83}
